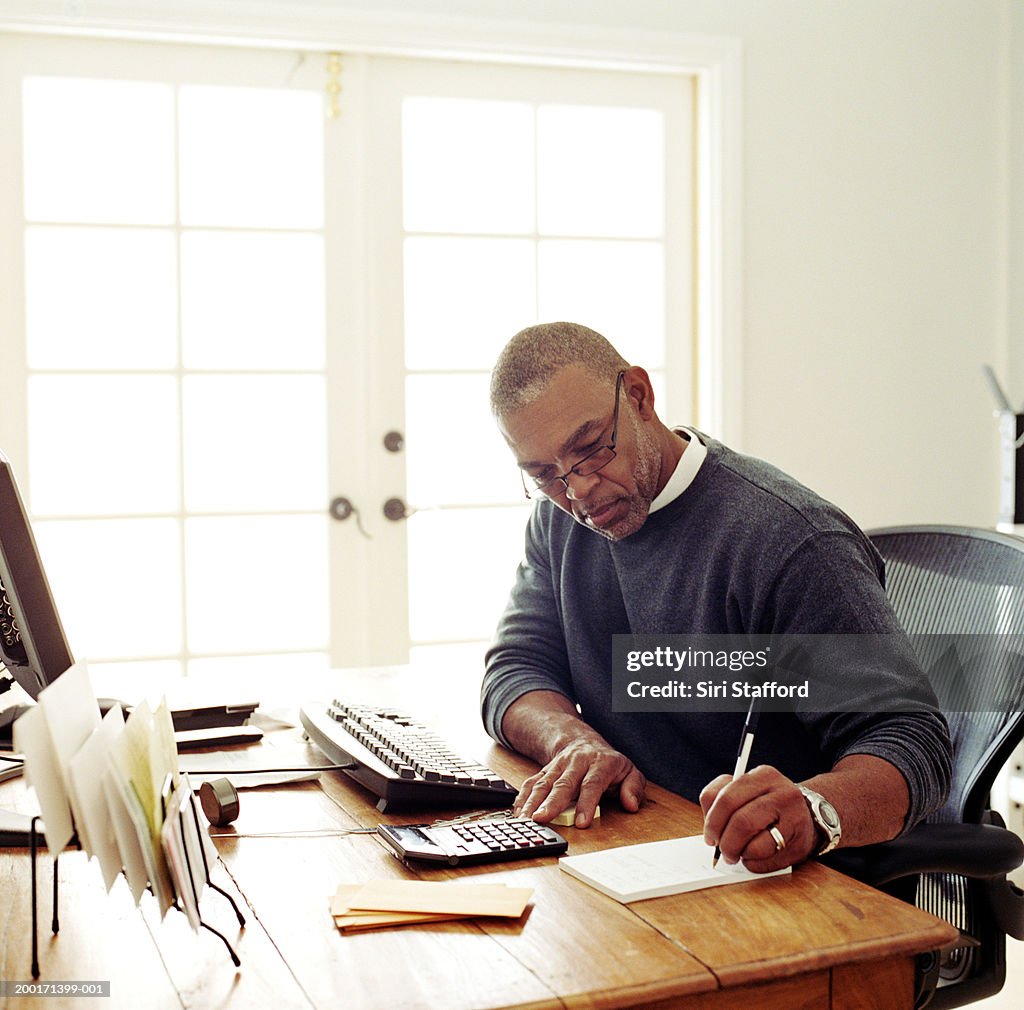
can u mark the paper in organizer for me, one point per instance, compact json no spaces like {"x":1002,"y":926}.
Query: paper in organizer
{"x":115,"y":784}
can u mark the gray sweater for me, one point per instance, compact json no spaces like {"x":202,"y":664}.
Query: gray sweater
{"x":744,"y":549}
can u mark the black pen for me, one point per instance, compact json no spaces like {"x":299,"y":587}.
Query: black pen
{"x":742,"y":755}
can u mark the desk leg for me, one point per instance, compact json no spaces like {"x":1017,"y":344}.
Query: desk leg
{"x":882,"y":985}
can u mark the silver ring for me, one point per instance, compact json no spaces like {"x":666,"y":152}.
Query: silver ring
{"x":780,"y":842}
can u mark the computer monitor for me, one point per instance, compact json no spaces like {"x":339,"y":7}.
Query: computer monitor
{"x":33,"y":647}
{"x":34,"y":651}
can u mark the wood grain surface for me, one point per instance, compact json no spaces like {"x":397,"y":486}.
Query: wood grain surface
{"x":813,"y":940}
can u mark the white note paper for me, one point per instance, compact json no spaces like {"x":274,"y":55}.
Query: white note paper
{"x":655,"y":869}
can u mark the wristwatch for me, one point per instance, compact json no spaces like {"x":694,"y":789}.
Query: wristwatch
{"x":825,"y":818}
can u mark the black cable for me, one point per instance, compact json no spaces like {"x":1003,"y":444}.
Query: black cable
{"x":269,"y":771}
{"x":311,"y":833}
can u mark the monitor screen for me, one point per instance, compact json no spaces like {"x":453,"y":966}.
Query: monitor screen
{"x":33,"y":647}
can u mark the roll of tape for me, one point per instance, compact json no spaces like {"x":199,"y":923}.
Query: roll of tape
{"x":219,"y":800}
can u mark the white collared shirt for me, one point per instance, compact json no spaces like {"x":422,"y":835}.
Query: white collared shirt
{"x":686,"y":469}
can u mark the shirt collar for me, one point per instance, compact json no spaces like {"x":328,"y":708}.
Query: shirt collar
{"x":686,"y":469}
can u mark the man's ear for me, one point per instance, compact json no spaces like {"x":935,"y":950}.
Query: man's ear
{"x":638,"y":388}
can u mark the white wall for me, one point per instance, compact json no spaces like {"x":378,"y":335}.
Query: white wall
{"x":874,"y":258}
{"x":874,"y":251}
{"x":1015,"y":313}
{"x":877,"y":267}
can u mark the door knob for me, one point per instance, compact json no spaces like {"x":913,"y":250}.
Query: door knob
{"x":395,"y":510}
{"x":341,"y":508}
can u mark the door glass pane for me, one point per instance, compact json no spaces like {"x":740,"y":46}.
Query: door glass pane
{"x":251,"y":157}
{"x":252,"y":300}
{"x":117,"y":585}
{"x":455,"y":452}
{"x":600,"y":171}
{"x":100,"y":298}
{"x":254,"y":442}
{"x":617,"y":288}
{"x":98,"y":150}
{"x":464,"y":297}
{"x":478,"y":550}
{"x":256,"y":583}
{"x":467,"y":165}
{"x":103,"y":444}
{"x":259,"y":678}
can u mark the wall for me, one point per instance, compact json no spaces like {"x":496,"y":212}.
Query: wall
{"x":877,"y":256}
{"x":1015,"y":126}
{"x":874,"y":252}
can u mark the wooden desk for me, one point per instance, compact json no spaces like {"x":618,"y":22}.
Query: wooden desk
{"x":813,"y":940}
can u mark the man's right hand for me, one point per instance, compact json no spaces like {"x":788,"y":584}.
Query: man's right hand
{"x":581,"y":772}
{"x":580,"y":764}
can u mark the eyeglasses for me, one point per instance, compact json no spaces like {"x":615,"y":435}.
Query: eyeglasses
{"x":553,"y":487}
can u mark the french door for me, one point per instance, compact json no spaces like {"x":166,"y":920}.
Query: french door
{"x":246,"y":343}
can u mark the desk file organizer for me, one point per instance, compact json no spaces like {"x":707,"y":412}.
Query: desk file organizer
{"x":113,"y":788}
{"x":188,"y":888}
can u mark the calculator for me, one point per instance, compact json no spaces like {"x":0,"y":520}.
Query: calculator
{"x":486,"y":841}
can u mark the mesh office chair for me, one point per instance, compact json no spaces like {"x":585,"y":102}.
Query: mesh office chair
{"x":946,"y":581}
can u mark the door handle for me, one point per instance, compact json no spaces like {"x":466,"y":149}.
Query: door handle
{"x":395,"y":509}
{"x":341,"y":508}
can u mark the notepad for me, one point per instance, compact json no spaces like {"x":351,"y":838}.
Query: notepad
{"x":655,"y":869}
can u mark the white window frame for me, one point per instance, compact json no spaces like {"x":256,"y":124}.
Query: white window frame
{"x":714,"y":61}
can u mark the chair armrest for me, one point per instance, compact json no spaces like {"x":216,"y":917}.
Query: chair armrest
{"x":972,"y":850}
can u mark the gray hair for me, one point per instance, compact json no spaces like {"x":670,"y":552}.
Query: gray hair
{"x":530,"y":360}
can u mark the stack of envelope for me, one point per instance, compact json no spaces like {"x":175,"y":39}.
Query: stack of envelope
{"x":380,"y":903}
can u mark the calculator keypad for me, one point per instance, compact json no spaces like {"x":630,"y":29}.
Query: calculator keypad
{"x":506,"y":835}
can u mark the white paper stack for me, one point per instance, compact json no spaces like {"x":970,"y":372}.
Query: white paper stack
{"x":116,"y":783}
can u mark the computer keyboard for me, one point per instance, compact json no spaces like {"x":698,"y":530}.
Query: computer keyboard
{"x":400,"y":760}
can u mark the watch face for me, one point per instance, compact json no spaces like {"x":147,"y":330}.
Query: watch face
{"x":828,"y":814}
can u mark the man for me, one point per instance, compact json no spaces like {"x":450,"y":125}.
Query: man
{"x":639,"y":529}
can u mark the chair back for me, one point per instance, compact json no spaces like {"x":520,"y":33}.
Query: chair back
{"x":946,"y":581}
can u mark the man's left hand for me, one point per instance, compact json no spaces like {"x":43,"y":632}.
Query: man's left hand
{"x":739,"y":816}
